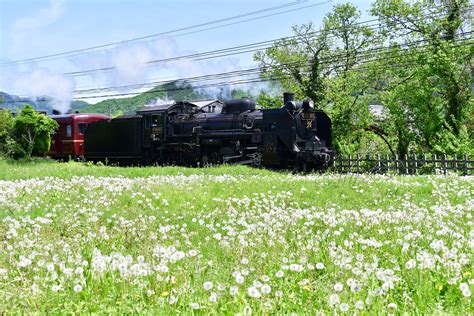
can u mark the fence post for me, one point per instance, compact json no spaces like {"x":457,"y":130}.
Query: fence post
{"x":379,"y":164}
{"x":350,"y":163}
{"x":465,"y":164}
{"x":416,"y":163}
{"x":425,"y":161}
{"x":456,"y":163}
{"x":388,"y":164}
{"x":406,"y":163}
{"x":435,"y":166}
{"x":396,"y":164}
{"x":445,"y":164}
{"x":358,"y":163}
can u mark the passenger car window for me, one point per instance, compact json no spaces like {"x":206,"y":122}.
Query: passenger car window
{"x":68,"y":131}
{"x":81,"y":128}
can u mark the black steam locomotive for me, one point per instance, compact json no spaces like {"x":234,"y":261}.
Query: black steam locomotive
{"x":294,"y":136}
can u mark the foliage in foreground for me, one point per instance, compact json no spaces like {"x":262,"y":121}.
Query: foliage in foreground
{"x":227,"y":240}
{"x":27,"y":134}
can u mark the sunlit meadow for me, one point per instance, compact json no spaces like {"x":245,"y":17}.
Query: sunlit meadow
{"x":76,"y":238}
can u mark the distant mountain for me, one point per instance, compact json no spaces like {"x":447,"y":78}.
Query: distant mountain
{"x":15,"y":103}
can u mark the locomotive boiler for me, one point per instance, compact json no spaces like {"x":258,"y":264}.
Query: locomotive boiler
{"x":295,"y":136}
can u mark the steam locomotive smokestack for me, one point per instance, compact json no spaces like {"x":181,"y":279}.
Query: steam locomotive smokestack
{"x":288,"y":96}
{"x":56,"y":112}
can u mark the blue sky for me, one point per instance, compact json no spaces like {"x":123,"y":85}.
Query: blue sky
{"x":41,"y":27}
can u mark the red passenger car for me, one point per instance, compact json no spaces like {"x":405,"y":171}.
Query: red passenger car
{"x":68,"y":141}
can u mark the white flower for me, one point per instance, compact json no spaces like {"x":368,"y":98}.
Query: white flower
{"x":359,"y":304}
{"x":233,"y":290}
{"x":265,"y":278}
{"x":253,"y":292}
{"x":392,"y":306}
{"x":239,"y":279}
{"x":296,"y":267}
{"x":77,"y":288}
{"x":319,"y":265}
{"x":266,"y":289}
{"x":463,"y":287}
{"x":195,"y":306}
{"x":213,"y":297}
{"x":279,"y":274}
{"x":410,"y":264}
{"x":55,"y":288}
{"x":172,"y":300}
{"x":208,"y":285}
{"x":338,"y":287}
{"x":244,"y":261}
{"x":344,"y":307}
{"x":333,"y":299}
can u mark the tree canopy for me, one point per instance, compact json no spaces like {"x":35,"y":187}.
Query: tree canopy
{"x":401,"y":83}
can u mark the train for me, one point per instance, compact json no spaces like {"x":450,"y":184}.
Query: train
{"x":296,"y":136}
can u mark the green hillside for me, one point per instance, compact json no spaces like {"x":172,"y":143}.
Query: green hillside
{"x":122,"y":106}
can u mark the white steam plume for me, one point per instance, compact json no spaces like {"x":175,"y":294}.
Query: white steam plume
{"x":39,"y":83}
{"x":160,"y":101}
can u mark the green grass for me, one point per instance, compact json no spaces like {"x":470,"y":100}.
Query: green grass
{"x":123,"y":226}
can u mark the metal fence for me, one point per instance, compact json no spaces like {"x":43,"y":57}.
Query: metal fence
{"x":408,"y":164}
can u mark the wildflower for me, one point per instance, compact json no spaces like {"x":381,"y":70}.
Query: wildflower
{"x":253,"y":292}
{"x":213,"y":297}
{"x":359,"y":304}
{"x":172,"y":299}
{"x":164,"y":293}
{"x":338,"y":287}
{"x":77,"y":288}
{"x":344,"y":307}
{"x":239,"y":279}
{"x":333,"y":299}
{"x":279,"y":274}
{"x":266,"y":289}
{"x":410,"y":264}
{"x":233,"y":290}
{"x":319,"y":265}
{"x":392,"y":306}
{"x":208,"y":285}
{"x":296,"y":267}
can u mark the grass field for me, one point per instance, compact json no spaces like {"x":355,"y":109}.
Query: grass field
{"x":78,"y":238}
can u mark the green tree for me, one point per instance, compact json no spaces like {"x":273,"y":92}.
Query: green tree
{"x":32,"y":131}
{"x":6,"y":129}
{"x":323,"y":65}
{"x":427,"y":74}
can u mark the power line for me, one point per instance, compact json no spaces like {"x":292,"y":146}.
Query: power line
{"x":250,"y":71}
{"x":242,"y":81}
{"x":219,"y":53}
{"x":299,"y":2}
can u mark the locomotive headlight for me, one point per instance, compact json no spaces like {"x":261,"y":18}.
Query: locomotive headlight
{"x":308,"y":104}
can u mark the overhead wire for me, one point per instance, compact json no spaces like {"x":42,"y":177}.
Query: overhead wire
{"x":229,"y":75}
{"x":94,"y":48}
